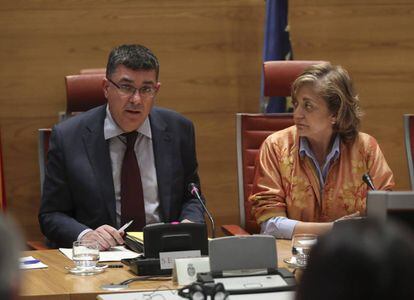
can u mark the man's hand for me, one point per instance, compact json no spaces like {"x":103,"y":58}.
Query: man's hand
{"x":106,"y":236}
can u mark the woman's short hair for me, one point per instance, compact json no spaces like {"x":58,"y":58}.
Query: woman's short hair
{"x":363,"y":259}
{"x":335,"y":86}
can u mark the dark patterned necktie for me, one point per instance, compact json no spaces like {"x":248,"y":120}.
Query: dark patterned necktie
{"x":132,"y":197}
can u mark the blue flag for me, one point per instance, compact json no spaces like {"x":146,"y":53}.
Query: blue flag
{"x":276,"y":46}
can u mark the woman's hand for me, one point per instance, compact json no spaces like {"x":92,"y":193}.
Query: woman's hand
{"x":355,"y":215}
{"x":321,"y":228}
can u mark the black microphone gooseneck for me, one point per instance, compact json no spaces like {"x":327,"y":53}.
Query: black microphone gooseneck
{"x":367,"y":179}
{"x":193,"y":189}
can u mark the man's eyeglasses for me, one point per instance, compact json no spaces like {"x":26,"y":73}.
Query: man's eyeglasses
{"x":129,"y":91}
{"x":197,"y":291}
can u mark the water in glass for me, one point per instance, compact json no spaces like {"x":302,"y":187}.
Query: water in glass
{"x":301,"y":246}
{"x":85,"y":254}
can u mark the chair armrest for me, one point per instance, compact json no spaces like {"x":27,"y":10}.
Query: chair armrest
{"x":36,"y":245}
{"x":233,"y":230}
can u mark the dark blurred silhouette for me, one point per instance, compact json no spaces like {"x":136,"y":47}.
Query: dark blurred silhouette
{"x":368,"y":259}
{"x":10,"y":250}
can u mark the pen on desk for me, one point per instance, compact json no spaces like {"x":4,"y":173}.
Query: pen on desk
{"x":126,"y":225}
{"x":31,"y":262}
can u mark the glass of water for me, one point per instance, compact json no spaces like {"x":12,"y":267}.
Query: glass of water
{"x":85,"y":255}
{"x":301,"y":246}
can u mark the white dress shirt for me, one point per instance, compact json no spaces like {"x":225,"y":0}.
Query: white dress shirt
{"x":145,"y":155}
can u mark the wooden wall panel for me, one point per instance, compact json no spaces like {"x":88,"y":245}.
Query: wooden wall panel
{"x":210,"y":54}
{"x":374,"y":41}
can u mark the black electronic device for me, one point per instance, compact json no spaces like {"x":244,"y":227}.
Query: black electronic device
{"x":143,"y":266}
{"x":392,"y":205}
{"x":167,"y":238}
{"x":134,"y":244}
{"x":203,"y":291}
{"x":246,"y":264}
{"x":274,"y":281}
{"x":174,"y":237}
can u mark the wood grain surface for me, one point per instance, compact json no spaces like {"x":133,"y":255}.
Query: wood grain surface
{"x":56,"y":283}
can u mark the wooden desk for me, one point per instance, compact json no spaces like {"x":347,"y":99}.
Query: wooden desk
{"x":55,"y":282}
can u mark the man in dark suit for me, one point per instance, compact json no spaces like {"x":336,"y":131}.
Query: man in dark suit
{"x":87,"y":189}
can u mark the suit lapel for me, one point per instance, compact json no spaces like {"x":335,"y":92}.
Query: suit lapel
{"x":97,"y":149}
{"x":161,"y":141}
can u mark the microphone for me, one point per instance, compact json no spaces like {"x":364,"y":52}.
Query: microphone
{"x":367,"y":179}
{"x":193,"y":189}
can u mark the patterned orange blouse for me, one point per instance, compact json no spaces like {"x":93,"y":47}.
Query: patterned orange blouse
{"x":287,"y":184}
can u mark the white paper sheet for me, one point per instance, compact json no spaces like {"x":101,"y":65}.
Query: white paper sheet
{"x":115,"y":254}
{"x":173,"y":295}
{"x":29,"y":262}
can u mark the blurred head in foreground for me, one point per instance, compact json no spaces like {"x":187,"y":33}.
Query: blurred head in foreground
{"x":362,"y":260}
{"x":10,"y":249}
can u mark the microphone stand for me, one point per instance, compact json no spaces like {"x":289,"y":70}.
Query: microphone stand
{"x":194,"y":192}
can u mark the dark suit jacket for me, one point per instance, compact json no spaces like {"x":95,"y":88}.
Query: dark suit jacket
{"x":78,"y":191}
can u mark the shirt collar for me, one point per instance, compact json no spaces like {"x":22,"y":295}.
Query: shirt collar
{"x":111,"y":129}
{"x":304,"y":148}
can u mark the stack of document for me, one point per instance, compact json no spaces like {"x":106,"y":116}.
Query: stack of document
{"x":135,"y":241}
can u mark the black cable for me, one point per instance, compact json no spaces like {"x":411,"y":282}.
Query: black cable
{"x":143,"y":278}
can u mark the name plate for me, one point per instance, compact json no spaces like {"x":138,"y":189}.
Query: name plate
{"x":167,"y":258}
{"x":186,"y":269}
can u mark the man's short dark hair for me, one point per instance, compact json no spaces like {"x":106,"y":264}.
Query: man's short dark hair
{"x":135,"y":57}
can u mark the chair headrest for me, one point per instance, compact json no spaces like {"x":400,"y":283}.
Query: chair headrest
{"x":280,"y":74}
{"x":84,"y":92}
